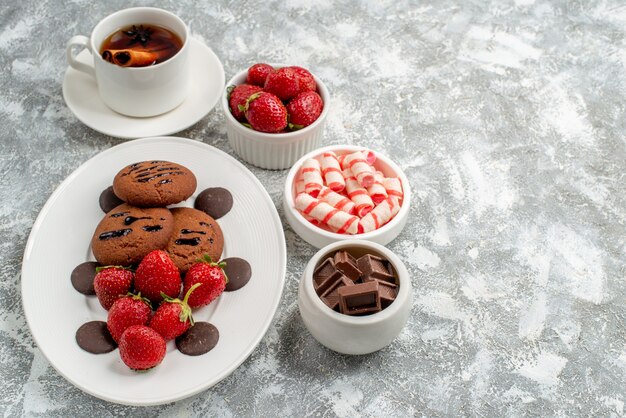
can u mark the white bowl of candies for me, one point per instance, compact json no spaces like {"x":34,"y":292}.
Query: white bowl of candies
{"x":346,"y":192}
{"x":274,"y":114}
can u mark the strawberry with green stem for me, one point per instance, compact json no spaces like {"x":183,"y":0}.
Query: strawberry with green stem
{"x":156,"y":275}
{"x":265,"y":112}
{"x":128,"y":311}
{"x":237,"y":97}
{"x":111,"y":283}
{"x":173,"y":317}
{"x":213,"y":280}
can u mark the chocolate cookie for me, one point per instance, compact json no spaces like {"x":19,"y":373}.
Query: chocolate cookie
{"x":108,"y":200}
{"x":195,"y":234}
{"x":127,"y":233}
{"x":238,"y":272}
{"x":82,"y":277}
{"x":94,"y":337}
{"x":154,"y":183}
{"x":199,"y":339}
{"x":214,"y":201}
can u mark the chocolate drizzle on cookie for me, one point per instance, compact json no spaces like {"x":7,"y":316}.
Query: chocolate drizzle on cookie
{"x":114,"y":234}
{"x":132,"y":219}
{"x":119,"y":214}
{"x":156,"y":176}
{"x":155,"y":170}
{"x":129,"y":220}
{"x":152,"y":228}
{"x":195,"y":234}
{"x":188,"y":241}
{"x":154,"y":184}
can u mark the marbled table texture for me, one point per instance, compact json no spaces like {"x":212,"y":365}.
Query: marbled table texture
{"x":509,"y":120}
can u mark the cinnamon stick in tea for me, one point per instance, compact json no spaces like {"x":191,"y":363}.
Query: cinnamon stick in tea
{"x":135,"y":58}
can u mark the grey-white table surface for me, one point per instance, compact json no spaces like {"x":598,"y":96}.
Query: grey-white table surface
{"x":508,"y":118}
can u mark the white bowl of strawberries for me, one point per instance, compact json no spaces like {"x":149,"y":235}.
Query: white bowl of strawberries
{"x":343,"y":192}
{"x":274,"y":114}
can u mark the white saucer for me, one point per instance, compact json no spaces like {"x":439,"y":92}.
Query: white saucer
{"x":207,"y":84}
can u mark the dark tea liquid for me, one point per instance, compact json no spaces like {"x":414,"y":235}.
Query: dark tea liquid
{"x":140,"y":45}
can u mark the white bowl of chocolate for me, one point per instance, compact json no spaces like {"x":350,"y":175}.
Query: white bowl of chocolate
{"x":355,"y":296}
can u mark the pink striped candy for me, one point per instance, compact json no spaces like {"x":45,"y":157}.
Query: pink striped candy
{"x":331,"y":170}
{"x":337,"y":220}
{"x":359,"y":196}
{"x":299,"y":183}
{"x":393,"y":185}
{"x":380,"y":215}
{"x":377,"y":191}
{"x":363,"y":172}
{"x":336,"y":200}
{"x":312,"y":175}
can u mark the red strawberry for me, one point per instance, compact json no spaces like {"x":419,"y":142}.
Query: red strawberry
{"x":110,"y":283}
{"x":213,"y":280}
{"x":173,"y":317}
{"x":258,"y":73}
{"x":238,"y":97}
{"x":307,"y":82}
{"x":141,"y":347}
{"x":157,"y":274}
{"x":127,"y":311}
{"x":284,"y":83}
{"x":266,"y":113}
{"x":304,"y":109}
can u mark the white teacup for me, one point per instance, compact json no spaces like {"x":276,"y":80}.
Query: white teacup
{"x":136,"y":91}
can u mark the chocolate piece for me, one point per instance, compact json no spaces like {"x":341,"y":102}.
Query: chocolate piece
{"x":388,"y":292}
{"x":82,"y":277}
{"x":238,"y":272}
{"x":322,"y":287}
{"x":214,"y":201}
{"x":346,"y":263}
{"x":375,"y":267}
{"x":94,"y":337}
{"x":199,"y":339}
{"x":323,"y":271}
{"x":331,"y":295}
{"x":109,"y":200}
{"x":359,"y":299}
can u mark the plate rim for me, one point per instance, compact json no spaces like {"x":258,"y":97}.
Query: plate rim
{"x":246,"y":354}
{"x":90,"y":125}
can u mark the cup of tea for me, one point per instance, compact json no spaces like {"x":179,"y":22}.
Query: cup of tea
{"x":140,"y":60}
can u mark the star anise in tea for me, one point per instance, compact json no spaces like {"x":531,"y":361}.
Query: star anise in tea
{"x":139,"y":34}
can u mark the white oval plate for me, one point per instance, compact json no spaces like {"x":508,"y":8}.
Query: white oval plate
{"x":206,"y":84}
{"x":60,"y":240}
